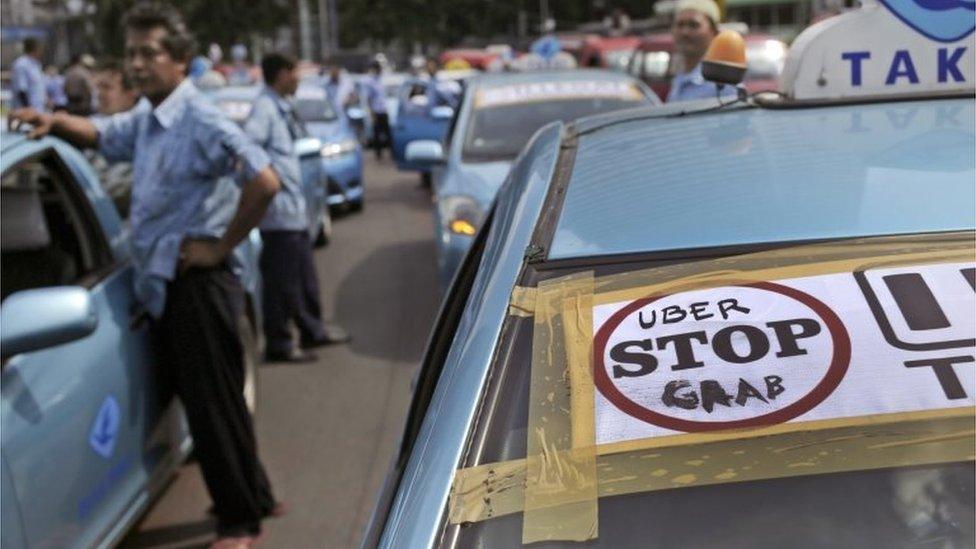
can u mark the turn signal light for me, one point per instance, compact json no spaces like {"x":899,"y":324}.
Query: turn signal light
{"x":725,"y":60}
{"x":462,"y":226}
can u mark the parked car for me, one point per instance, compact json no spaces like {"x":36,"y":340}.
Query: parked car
{"x":236,"y":102}
{"x":498,"y":114}
{"x":341,"y":151}
{"x":424,"y":113}
{"x":90,"y":432}
{"x":555,"y":402}
{"x":655,"y":62}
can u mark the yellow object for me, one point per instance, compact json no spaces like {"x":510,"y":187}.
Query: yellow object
{"x":728,"y":48}
{"x":457,"y":64}
{"x":560,"y":488}
{"x":463,"y":226}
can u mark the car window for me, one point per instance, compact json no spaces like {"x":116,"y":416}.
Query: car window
{"x":115,"y":179}
{"x":48,"y":233}
{"x":452,"y":126}
{"x":314,"y":110}
{"x":914,"y":506}
{"x":503,"y":119}
{"x":656,"y":65}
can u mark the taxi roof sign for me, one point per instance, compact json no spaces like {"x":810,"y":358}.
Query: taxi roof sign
{"x":892,"y":48}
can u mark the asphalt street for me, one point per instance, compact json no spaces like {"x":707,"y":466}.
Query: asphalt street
{"x":327,"y":430}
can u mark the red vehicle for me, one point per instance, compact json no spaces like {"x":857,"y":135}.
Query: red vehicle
{"x":475,"y":58}
{"x":655,"y":62}
{"x":607,"y":52}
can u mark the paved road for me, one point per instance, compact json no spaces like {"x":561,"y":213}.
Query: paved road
{"x":327,"y":431}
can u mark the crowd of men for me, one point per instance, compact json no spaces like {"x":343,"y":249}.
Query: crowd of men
{"x":179,"y":149}
{"x":162,"y":151}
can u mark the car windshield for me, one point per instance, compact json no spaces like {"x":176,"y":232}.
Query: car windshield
{"x":314,"y":110}
{"x":656,"y":64}
{"x":498,"y":131}
{"x":697,"y":496}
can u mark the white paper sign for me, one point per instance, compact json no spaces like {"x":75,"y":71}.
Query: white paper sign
{"x":813,"y":348}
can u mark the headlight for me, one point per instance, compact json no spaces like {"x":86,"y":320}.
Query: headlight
{"x":461,"y":214}
{"x":339,"y":148}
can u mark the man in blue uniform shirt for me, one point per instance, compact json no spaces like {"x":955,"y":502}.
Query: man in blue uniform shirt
{"x":376,"y":95}
{"x":182,"y":239}
{"x":695,"y":25}
{"x":27,"y":77}
{"x":291,"y":290}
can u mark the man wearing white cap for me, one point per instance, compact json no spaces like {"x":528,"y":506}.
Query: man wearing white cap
{"x":695,"y":25}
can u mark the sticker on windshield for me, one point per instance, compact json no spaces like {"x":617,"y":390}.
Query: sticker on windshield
{"x":885,"y":340}
{"x":556,"y":91}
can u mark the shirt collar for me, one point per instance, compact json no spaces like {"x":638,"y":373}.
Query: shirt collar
{"x":282,"y":103}
{"x":693,"y":76}
{"x":167,"y":111}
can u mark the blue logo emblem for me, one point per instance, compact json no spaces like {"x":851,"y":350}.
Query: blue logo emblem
{"x":940,"y":20}
{"x":105,"y":428}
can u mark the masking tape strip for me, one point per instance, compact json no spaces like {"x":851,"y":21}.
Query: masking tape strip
{"x":889,"y":440}
{"x":522,"y":302}
{"x":791,"y":262}
{"x":560,"y":495}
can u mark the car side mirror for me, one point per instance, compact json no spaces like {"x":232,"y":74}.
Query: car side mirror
{"x":442,"y":112}
{"x":355,"y":113}
{"x":425,"y":151}
{"x":37,"y":319}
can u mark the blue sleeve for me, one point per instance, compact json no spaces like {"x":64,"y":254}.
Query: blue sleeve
{"x":117,"y":135}
{"x":19,"y":82}
{"x":258,"y":124}
{"x":226,"y":148}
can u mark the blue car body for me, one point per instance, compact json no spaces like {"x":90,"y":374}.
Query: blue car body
{"x":414,"y":121}
{"x":236,"y":102}
{"x":342,"y":153}
{"x":606,"y":190}
{"x":476,"y":180}
{"x":90,"y":434}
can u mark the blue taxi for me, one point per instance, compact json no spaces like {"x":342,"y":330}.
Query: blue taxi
{"x":90,"y":431}
{"x":341,"y":151}
{"x":424,"y":112}
{"x":497,"y":115}
{"x":732,"y":324}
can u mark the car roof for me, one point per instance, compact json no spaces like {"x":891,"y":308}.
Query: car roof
{"x":529,"y":77}
{"x":643,"y":182}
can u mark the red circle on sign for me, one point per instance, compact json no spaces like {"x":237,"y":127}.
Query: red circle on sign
{"x":839,"y":362}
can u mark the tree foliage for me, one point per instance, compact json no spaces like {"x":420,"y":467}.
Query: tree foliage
{"x":438,"y":23}
{"x":222,"y":21}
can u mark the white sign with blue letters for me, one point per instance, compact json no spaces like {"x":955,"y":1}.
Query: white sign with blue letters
{"x":895,"y":47}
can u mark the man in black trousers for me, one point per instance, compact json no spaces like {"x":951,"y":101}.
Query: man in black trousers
{"x":291,"y":291}
{"x":182,"y":243}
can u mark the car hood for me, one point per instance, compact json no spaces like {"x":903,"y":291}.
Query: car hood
{"x":480,"y":181}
